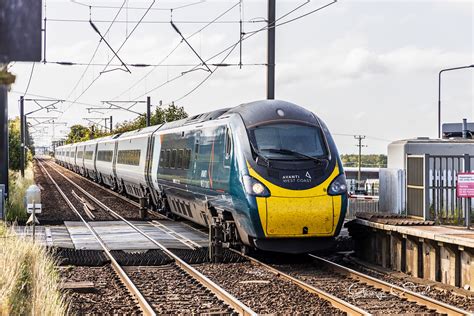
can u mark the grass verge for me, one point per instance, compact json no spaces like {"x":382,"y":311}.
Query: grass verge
{"x":29,"y":283}
{"x":15,"y":206}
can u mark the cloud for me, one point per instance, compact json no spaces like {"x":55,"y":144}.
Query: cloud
{"x":359,"y":63}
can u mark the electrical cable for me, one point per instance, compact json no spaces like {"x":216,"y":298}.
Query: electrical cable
{"x":138,"y":8}
{"x":174,"y":49}
{"x":231,"y":48}
{"x":140,"y":65}
{"x":206,"y":78}
{"x":47,"y":97}
{"x":247,"y":36}
{"x":118,"y":50}
{"x":156,"y":22}
{"x":95,"y":52}
{"x":29,"y":80}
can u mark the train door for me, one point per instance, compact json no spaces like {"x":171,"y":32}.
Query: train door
{"x":196,"y":172}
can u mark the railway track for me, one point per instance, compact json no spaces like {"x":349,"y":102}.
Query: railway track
{"x":129,"y":209}
{"x":260,"y":288}
{"x":374,"y":296}
{"x":196,"y":282}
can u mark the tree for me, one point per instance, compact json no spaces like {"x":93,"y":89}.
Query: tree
{"x":78,"y":133}
{"x":379,"y":161}
{"x":160,"y":116}
{"x":14,"y":144}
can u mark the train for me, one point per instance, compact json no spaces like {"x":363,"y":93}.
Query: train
{"x":267,"y":172}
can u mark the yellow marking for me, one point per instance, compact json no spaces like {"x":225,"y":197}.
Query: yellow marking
{"x":286,"y":212}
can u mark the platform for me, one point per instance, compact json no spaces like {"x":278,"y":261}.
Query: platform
{"x":438,"y":253}
{"x":118,"y":235}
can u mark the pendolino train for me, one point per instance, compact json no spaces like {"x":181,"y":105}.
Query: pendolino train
{"x":268,"y":171}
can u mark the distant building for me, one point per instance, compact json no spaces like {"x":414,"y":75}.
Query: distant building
{"x":369,"y":178}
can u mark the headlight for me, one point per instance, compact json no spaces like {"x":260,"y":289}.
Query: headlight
{"x":255,"y":187}
{"x":338,"y":186}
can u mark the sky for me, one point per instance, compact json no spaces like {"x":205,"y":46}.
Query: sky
{"x":364,"y":67}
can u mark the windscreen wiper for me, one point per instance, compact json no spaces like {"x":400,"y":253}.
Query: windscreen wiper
{"x":294,"y":153}
{"x":260,"y":156}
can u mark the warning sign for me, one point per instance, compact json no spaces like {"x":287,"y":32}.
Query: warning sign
{"x":465,"y":185}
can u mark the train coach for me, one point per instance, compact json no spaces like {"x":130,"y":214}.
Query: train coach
{"x":267,"y":172}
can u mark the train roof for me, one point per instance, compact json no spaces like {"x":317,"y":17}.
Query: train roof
{"x":252,"y":113}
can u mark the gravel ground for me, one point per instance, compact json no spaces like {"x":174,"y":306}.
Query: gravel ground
{"x":109,"y":297}
{"x":122,"y":207}
{"x":54,"y":210}
{"x":431,"y":289}
{"x":264,"y":292}
{"x":67,"y":188}
{"x":375,"y":301}
{"x":171,"y":291}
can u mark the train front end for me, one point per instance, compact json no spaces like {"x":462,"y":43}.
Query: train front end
{"x":292,"y":178}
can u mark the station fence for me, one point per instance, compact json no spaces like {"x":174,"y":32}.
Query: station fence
{"x":444,"y":205}
{"x":362,"y":203}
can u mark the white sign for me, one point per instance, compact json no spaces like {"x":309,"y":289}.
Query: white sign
{"x":465,"y":185}
{"x":37,"y":208}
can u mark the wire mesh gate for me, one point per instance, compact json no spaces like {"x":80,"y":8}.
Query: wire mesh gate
{"x":431,"y":188}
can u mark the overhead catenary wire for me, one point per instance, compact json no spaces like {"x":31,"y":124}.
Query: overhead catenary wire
{"x":29,"y":80}
{"x":144,"y":65}
{"x":138,"y":8}
{"x":95,"y":52}
{"x":205,"y":79}
{"x":230,"y":47}
{"x":176,"y":47}
{"x":367,"y":136}
{"x":61,"y":20}
{"x":117,"y":51}
{"x":24,"y":93}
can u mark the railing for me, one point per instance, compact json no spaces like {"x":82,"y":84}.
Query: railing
{"x":362,"y":203}
{"x":444,"y":205}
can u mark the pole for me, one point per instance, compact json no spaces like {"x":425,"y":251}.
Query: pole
{"x":110,"y":122}
{"x":34,"y":221}
{"x":359,"y":138}
{"x":148,"y":106}
{"x":439,"y":104}
{"x":271,"y":50}
{"x":439,"y":92}
{"x":4,"y":137}
{"x":22,"y":136}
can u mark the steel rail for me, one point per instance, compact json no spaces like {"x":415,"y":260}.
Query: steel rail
{"x":188,"y":243}
{"x":222,"y":294}
{"x":429,"y":302}
{"x":117,"y":194}
{"x":336,"y":302}
{"x":144,"y":305}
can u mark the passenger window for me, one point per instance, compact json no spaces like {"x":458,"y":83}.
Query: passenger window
{"x":173,"y":159}
{"x":187,"y":159}
{"x":179,"y":163}
{"x":162,"y":158}
{"x":196,"y":149}
{"x":167,"y":159}
{"x":228,"y":144}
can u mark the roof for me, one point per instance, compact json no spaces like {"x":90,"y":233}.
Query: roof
{"x":427,"y":140}
{"x":363,"y":169}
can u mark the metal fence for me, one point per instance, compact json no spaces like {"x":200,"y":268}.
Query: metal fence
{"x":443,"y":204}
{"x":431,"y":188}
{"x":368,"y":204}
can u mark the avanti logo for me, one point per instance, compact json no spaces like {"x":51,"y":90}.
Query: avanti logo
{"x":308,"y":175}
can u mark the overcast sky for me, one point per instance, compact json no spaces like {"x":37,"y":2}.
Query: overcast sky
{"x":365,"y":67}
